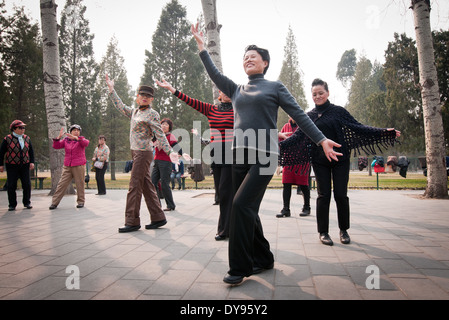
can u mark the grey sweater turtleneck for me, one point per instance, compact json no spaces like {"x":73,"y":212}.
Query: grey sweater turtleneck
{"x":256,"y":107}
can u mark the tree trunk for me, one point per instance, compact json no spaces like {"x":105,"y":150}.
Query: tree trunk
{"x":52,"y":87}
{"x":213,"y":36}
{"x":433,"y":122}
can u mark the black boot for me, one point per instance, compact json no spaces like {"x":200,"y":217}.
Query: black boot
{"x":285,"y":212}
{"x":305,"y":211}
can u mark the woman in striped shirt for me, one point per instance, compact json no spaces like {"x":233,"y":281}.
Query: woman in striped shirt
{"x":221,"y":122}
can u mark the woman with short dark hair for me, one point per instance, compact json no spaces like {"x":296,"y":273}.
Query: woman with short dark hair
{"x":338,"y":124}
{"x":163,"y":166}
{"x":256,"y":150}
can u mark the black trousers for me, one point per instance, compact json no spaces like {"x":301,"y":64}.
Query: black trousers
{"x":15,"y":172}
{"x":99,"y":177}
{"x":223,"y":183}
{"x":161,"y":172}
{"x":334,"y":173}
{"x":248,"y":247}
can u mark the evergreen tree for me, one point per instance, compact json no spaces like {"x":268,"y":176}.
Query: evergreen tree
{"x":114,"y":125}
{"x":403,"y":98}
{"x":291,"y":76}
{"x":347,"y":67}
{"x":22,"y":72}
{"x":361,"y":89}
{"x":174,"y":57}
{"x":5,"y":114}
{"x":78,"y":70}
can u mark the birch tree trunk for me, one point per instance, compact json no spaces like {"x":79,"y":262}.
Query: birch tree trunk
{"x":433,"y":121}
{"x":213,"y":44}
{"x":52,"y":87}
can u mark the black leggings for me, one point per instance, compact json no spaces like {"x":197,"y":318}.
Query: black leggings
{"x":287,"y":194}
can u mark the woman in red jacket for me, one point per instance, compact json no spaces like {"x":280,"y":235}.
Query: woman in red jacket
{"x":74,"y":164}
{"x":162,"y":165}
{"x":294,"y":175}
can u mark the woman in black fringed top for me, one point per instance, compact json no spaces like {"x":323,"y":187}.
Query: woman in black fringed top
{"x":256,"y":150}
{"x":337,"y":124}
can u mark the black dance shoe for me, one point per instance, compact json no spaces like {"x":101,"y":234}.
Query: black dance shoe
{"x":156,"y":224}
{"x":326,"y":239}
{"x":305,"y":211}
{"x":128,"y":229}
{"x":233,"y":279}
{"x":344,"y":237}
{"x":285,"y":212}
{"x":257,"y":270}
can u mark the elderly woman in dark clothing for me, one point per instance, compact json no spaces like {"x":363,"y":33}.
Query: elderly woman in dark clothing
{"x":256,"y":149}
{"x":17,"y":152}
{"x":339,"y":125}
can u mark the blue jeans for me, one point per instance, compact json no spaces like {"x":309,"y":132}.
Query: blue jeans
{"x":177,"y":176}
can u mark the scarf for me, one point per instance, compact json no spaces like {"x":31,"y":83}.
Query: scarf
{"x":21,"y":140}
{"x":225,"y":106}
{"x":352,"y":135}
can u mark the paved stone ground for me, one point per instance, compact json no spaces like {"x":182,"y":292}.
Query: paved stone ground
{"x":404,"y":238}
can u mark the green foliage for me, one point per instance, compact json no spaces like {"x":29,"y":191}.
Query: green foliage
{"x":79,"y":70}
{"x":346,"y":68}
{"x":403,"y":99}
{"x":174,"y":58}
{"x":291,"y":76}
{"x":21,"y":88}
{"x":114,"y":125}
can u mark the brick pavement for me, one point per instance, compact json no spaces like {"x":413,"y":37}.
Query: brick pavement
{"x":404,"y":238}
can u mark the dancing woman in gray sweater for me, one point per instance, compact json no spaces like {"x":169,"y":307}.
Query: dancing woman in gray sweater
{"x":256,"y":150}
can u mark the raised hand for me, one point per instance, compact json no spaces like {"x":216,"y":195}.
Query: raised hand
{"x":110,"y":83}
{"x":61,"y":133}
{"x":164,"y":84}
{"x":198,"y":35}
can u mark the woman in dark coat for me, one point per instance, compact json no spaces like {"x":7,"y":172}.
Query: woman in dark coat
{"x":339,"y":125}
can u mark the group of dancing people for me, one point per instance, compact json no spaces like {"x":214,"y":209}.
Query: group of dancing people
{"x":322,"y":139}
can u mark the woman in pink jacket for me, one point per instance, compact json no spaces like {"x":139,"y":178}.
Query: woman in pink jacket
{"x":74,"y":164}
